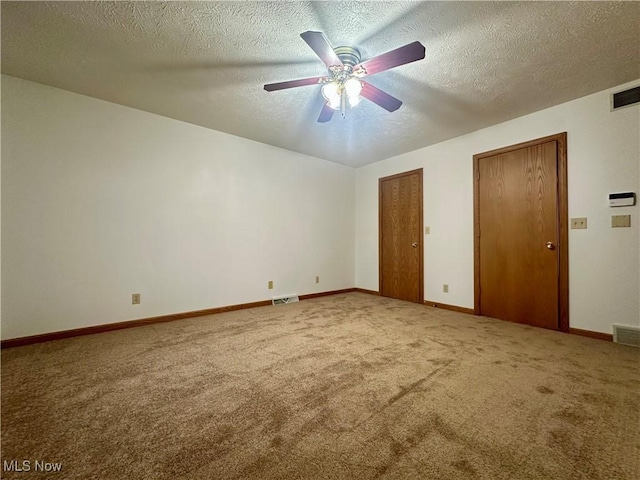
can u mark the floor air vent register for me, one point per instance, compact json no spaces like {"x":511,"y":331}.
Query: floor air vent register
{"x":283,"y":300}
{"x":626,"y":335}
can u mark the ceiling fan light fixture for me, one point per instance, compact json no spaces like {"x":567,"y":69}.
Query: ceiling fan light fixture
{"x":353,"y":87}
{"x":336,"y":104}
{"x":353,"y":101}
{"x":332,"y":92}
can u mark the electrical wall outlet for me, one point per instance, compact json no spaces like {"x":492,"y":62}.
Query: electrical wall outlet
{"x":579,"y":223}
{"x":445,"y":288}
{"x":270,"y":285}
{"x":135,"y":299}
{"x":317,"y":279}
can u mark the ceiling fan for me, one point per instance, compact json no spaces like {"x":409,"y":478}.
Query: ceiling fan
{"x":344,"y":83}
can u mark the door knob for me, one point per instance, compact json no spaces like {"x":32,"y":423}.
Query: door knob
{"x":551,"y":246}
{"x":414,"y":244}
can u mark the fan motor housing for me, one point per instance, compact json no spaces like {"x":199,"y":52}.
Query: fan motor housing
{"x":349,"y":55}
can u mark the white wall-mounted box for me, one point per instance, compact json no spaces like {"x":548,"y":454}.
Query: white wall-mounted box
{"x":624,"y":199}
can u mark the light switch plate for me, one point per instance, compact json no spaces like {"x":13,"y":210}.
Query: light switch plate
{"x":620,"y":221}
{"x":427,"y":230}
{"x":578,"y":223}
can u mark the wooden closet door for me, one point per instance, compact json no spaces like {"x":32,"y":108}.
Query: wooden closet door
{"x":519,"y":235}
{"x":401,"y":248}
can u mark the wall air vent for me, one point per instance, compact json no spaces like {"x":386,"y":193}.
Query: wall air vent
{"x":625,"y":98}
{"x":626,"y":335}
{"x":283,"y":300}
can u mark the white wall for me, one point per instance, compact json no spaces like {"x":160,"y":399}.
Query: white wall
{"x":100,"y":201}
{"x":603,"y":157}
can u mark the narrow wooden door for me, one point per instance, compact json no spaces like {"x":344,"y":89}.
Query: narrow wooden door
{"x":400,"y":236}
{"x":518,"y":233}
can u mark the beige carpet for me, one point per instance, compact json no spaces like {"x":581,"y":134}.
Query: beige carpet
{"x":350,"y":386}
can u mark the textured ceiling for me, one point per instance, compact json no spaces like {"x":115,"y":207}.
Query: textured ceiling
{"x":206,"y":63}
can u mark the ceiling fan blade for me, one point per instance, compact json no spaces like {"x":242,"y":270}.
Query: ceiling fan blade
{"x":270,"y":87}
{"x":326,"y":113}
{"x":319,"y":44}
{"x":379,"y":97}
{"x":407,"y":54}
